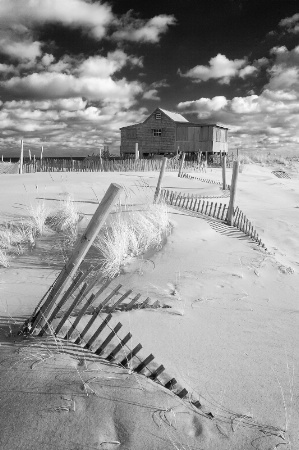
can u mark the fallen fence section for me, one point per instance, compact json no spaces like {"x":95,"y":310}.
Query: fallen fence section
{"x":216,"y":210}
{"x":204,"y":180}
{"x":74,"y":316}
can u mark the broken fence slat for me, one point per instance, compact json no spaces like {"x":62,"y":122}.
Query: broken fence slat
{"x":155,"y":304}
{"x":110,"y":296}
{"x":87,"y":327}
{"x":131,"y":355}
{"x":143,"y":364}
{"x":51,"y":297}
{"x":131,"y":304}
{"x":145,"y":303}
{"x":119,"y":347}
{"x":80,"y":315}
{"x":71,"y":308}
{"x":170,"y":383}
{"x":98,"y":332}
{"x":64,"y":298}
{"x":157,"y":372}
{"x":119,"y":301}
{"x":182,"y":393}
{"x":109,"y":338}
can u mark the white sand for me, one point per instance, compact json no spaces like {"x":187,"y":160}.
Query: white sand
{"x":232,"y":332}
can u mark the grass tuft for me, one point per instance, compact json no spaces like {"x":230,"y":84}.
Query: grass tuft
{"x":65,"y":218}
{"x":131,"y":234}
{"x":38,"y":216}
{"x":4,"y":260}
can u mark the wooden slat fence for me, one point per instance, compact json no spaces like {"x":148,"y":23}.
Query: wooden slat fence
{"x":281,"y":174}
{"x":195,"y":204}
{"x":205,"y":180}
{"x":108,"y":165}
{"x":125,"y":165}
{"x":216,"y":210}
{"x":69,"y":323}
{"x":243,"y":224}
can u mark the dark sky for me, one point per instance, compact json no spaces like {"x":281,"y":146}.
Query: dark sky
{"x":74,"y":72}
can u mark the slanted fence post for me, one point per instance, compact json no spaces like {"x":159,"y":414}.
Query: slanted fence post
{"x":181,"y":165}
{"x":224,"y":172}
{"x":158,"y":188}
{"x":79,"y":251}
{"x":21,"y":158}
{"x":233,"y":190}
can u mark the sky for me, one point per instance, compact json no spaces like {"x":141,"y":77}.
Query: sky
{"x":72,"y":72}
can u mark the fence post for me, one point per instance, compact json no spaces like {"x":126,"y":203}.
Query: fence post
{"x":136,"y":151}
{"x":79,"y":251}
{"x":21,"y":158}
{"x":158,"y":188}
{"x":233,"y":189}
{"x":224,"y":172}
{"x":181,"y":165}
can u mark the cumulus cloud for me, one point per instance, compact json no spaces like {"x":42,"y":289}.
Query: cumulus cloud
{"x":291,"y":23}
{"x":27,"y":50}
{"x":151,"y":94}
{"x":71,"y":126}
{"x":58,"y":85}
{"x":92,"y":17}
{"x":221,"y":69}
{"x":100,"y":66}
{"x":269,"y":120}
{"x":139,"y":30}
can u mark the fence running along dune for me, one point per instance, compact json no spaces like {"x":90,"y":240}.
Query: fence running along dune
{"x":195,"y":204}
{"x":204,"y":180}
{"x":212,"y":209}
{"x":111,"y":165}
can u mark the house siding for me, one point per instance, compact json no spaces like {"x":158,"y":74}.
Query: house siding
{"x":182,"y":136}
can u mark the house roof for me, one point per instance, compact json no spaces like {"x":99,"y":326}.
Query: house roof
{"x":176,"y":117}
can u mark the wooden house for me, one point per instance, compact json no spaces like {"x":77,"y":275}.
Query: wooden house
{"x":168,"y":133}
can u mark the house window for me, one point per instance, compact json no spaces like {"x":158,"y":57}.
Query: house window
{"x":158,"y":116}
{"x":157,"y":132}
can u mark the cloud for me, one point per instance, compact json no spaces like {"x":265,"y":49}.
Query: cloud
{"x":139,"y":30}
{"x":151,"y":94}
{"x":204,"y":106}
{"x":269,"y":120}
{"x":100,"y":66}
{"x":20,"y":50}
{"x":64,"y":127}
{"x":93,"y":18}
{"x":58,"y":85}
{"x":291,"y":23}
{"x":221,"y":69}
{"x":5,"y":69}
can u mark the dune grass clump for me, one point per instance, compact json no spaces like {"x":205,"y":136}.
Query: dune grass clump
{"x":38,"y":215}
{"x":17,"y":236}
{"x":130,"y":234}
{"x":64,"y":219}
{"x":4,"y":260}
{"x":263,"y":159}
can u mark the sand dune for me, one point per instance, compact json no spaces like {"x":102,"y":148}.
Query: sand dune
{"x":230,"y":336}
